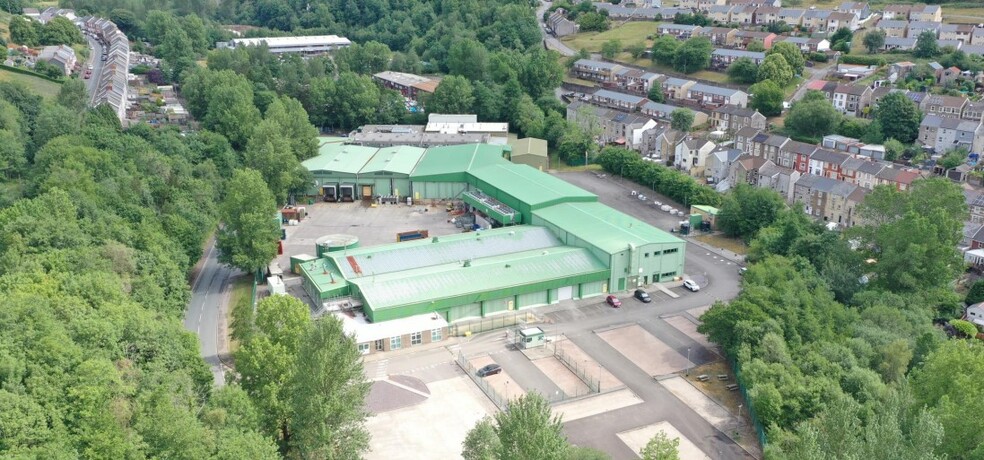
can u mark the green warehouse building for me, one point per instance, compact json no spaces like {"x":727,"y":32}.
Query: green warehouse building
{"x":553,"y":241}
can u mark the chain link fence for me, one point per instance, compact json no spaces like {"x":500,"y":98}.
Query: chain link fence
{"x":500,"y":401}
{"x":759,"y":430}
{"x":579,"y":369}
{"x":491,"y":323}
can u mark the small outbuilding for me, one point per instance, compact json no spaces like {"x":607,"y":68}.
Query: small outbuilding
{"x":707,"y":213}
{"x":530,"y":151}
{"x":532,"y":337}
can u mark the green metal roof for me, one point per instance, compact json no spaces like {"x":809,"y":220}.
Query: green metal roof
{"x":331,"y":140}
{"x":396,"y":160}
{"x":340,"y":158}
{"x":603,"y":227}
{"x":324,"y":275}
{"x":530,"y":186}
{"x":399,"y":257}
{"x":708,"y":209}
{"x":437,"y":282}
{"x":449,"y":163}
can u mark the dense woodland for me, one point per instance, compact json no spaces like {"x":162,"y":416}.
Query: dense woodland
{"x":833,"y":333}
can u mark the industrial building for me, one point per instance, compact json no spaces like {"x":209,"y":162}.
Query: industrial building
{"x":441,"y":129}
{"x":313,"y":44}
{"x":549,"y":240}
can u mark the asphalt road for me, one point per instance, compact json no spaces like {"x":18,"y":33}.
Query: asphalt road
{"x":95,"y":58}
{"x":208,"y":292}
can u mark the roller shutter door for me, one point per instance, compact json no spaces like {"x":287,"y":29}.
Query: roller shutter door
{"x":592,"y":289}
{"x":531,"y":299}
{"x":471,"y":310}
{"x":498,"y":305}
{"x":565,"y":293}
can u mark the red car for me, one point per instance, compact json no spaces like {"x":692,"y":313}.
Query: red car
{"x":613,"y":301}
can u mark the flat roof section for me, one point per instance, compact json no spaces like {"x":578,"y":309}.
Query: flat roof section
{"x":364,"y":331}
{"x":603,"y":227}
{"x":481,"y":276}
{"x":528,"y":185}
{"x":340,"y":158}
{"x":410,"y":255}
{"x":449,"y":163}
{"x":396,"y":160}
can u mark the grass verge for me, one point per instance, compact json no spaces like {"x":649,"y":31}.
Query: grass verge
{"x":45,"y":88}
{"x":241,"y":306}
{"x":720,"y":241}
{"x":627,"y":33}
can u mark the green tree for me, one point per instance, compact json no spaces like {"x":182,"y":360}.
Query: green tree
{"x":893,"y":149}
{"x":592,"y":22}
{"x":481,"y":443}
{"x":468,"y":58}
{"x":792,"y":55}
{"x":636,"y":50}
{"x":966,"y":328}
{"x":60,"y":31}
{"x":899,"y":117}
{"x":541,"y":73}
{"x":813,"y":116}
{"x":755,"y":45}
{"x":22,"y":31}
{"x":248,"y":237}
{"x":328,"y":391}
{"x":664,"y":49}
{"x":681,"y":119}
{"x":747,"y":209}
{"x":453,"y":95}
{"x":661,"y":447}
{"x":976,"y":293}
{"x":266,"y":361}
{"x":946,"y":384}
{"x":529,"y":118}
{"x":611,"y":48}
{"x":53,"y":121}
{"x":269,"y":152}
{"x":926,"y":46}
{"x":767,"y":98}
{"x":656,"y":94}
{"x":289,"y":114}
{"x":365,"y":59}
{"x":874,"y":40}
{"x":528,"y":430}
{"x":72,"y":95}
{"x":693,"y":55}
{"x":842,"y":34}
{"x":776,"y":69}
{"x":743,"y":70}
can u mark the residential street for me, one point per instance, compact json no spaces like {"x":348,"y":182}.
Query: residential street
{"x":95,"y":54}
{"x":551,"y":42}
{"x":209,"y":291}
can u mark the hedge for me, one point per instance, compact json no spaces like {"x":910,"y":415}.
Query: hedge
{"x":862,"y":60}
{"x":668,"y":182}
{"x":32,"y":74}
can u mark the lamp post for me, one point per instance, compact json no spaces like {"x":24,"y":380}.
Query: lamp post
{"x":689,"y":364}
{"x":739,"y":413}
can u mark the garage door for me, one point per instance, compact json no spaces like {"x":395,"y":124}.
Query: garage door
{"x":592,"y":289}
{"x":498,"y":305}
{"x":471,"y":310}
{"x":565,"y":293}
{"x":531,"y":299}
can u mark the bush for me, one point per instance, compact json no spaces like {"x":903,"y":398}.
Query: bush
{"x":863,"y":60}
{"x":817,"y":56}
{"x":976,"y":293}
{"x":966,"y":328}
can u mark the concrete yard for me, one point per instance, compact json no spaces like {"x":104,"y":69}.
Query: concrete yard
{"x":502,"y":383}
{"x":606,"y":380}
{"x":645,"y":351}
{"x":404,"y":433}
{"x":594,"y":405}
{"x":704,"y":406}
{"x":569,"y":383}
{"x":685,"y":325}
{"x":636,"y":439}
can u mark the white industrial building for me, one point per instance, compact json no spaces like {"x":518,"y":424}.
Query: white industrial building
{"x":314,"y":44}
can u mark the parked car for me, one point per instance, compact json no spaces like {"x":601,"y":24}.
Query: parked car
{"x":691,"y":285}
{"x":489,"y":369}
{"x":742,"y":270}
{"x":643,"y":296}
{"x":613,"y":301}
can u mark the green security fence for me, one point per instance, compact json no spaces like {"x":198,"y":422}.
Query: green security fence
{"x":759,"y":430}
